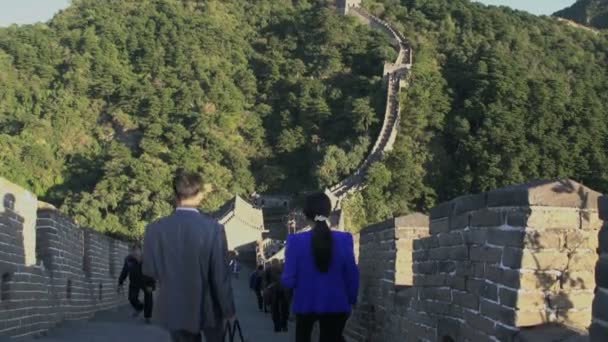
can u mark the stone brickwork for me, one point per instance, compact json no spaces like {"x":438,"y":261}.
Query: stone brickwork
{"x":507,"y":265}
{"x":344,"y":6}
{"x":74,"y":274}
{"x":384,"y":253}
{"x":599,"y":328}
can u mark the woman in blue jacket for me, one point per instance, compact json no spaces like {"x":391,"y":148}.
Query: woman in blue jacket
{"x":320,"y":267}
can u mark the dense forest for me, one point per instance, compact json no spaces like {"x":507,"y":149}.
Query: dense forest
{"x":592,"y":13}
{"x":99,"y":106}
{"x":102,"y":104}
{"x":498,"y":97}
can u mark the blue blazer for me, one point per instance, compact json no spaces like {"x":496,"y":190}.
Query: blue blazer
{"x":315,"y":292}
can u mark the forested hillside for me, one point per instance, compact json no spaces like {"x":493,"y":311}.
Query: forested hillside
{"x":592,"y":13}
{"x":498,"y":97}
{"x":99,"y":106}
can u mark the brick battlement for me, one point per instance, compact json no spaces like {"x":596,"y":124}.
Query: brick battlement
{"x":507,"y":265}
{"x":64,"y":273}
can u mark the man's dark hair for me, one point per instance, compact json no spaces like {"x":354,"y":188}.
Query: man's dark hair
{"x":135,"y":245}
{"x":260,"y":267}
{"x":187,"y":184}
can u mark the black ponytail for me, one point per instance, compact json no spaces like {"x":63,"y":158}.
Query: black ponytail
{"x":319,"y":205}
{"x":322,"y":245}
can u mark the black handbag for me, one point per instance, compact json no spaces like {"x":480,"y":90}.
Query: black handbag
{"x":232,"y":330}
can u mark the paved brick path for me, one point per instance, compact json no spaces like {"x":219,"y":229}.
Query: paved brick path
{"x":119,"y":326}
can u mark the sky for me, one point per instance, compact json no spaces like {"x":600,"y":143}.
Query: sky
{"x":31,"y":11}
{"x":532,"y":6}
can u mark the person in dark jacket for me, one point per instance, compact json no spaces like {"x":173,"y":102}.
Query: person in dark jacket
{"x":266,"y":289}
{"x":137,"y":282}
{"x":255,"y":284}
{"x":279,"y":298}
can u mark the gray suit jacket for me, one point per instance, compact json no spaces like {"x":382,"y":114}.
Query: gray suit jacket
{"x":186,"y":253}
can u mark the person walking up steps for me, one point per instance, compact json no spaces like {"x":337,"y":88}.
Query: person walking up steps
{"x":279,"y":298}
{"x":255,"y":284}
{"x":186,"y":252}
{"x":320,"y":267}
{"x":137,"y":282}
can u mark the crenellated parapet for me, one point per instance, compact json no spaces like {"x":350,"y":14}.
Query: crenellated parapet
{"x":599,"y":328}
{"x":65,"y":272}
{"x":515,"y":264}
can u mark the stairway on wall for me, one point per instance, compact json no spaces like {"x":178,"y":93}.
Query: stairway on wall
{"x":397,"y":75}
{"x":275,"y":222}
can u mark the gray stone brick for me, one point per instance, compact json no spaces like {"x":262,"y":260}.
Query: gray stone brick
{"x":473,"y":286}
{"x":486,"y":254}
{"x":438,"y":294}
{"x":470,"y":334}
{"x":603,"y":240}
{"x":445,"y":267}
{"x":475,"y":236}
{"x":429,"y":267}
{"x":478,"y":321}
{"x":601,"y":272}
{"x":468,"y":203}
{"x":602,"y":205}
{"x":465,"y":299}
{"x":440,"y":211}
{"x":497,"y":312}
{"x":488,"y":218}
{"x":512,"y":257}
{"x":441,"y":225}
{"x":460,"y":222}
{"x":600,"y":306}
{"x":505,"y":333}
{"x":598,"y":332}
{"x":450,"y":239}
{"x":507,"y":277}
{"x":489,"y":291}
{"x":511,"y":237}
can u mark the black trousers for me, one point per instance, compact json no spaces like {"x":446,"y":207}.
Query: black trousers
{"x":260,"y":298}
{"x":137,"y":305}
{"x":280,"y":311}
{"x":331,"y":327}
{"x":211,"y":335}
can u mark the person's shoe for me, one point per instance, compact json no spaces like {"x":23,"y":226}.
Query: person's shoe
{"x":136,"y":313}
{"x":148,"y":321}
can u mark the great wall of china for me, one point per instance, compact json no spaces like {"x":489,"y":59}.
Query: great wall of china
{"x":523,"y":263}
{"x":397,"y":76}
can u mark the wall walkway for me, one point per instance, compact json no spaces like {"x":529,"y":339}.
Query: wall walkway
{"x":396,"y":75}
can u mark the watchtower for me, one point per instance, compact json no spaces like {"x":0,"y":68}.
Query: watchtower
{"x":345,"y":5}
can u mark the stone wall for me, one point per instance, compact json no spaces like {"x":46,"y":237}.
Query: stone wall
{"x":599,"y":327}
{"x":507,"y":265}
{"x":384,"y":252}
{"x":74,"y":274}
{"x":344,"y":6}
{"x":396,"y":76}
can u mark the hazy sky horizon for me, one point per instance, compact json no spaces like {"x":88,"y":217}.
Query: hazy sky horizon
{"x":31,"y":11}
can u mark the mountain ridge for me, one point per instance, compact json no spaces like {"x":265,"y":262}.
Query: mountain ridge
{"x":592,"y":13}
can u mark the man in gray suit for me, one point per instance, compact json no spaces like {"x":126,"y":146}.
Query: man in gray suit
{"x":186,"y":252}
